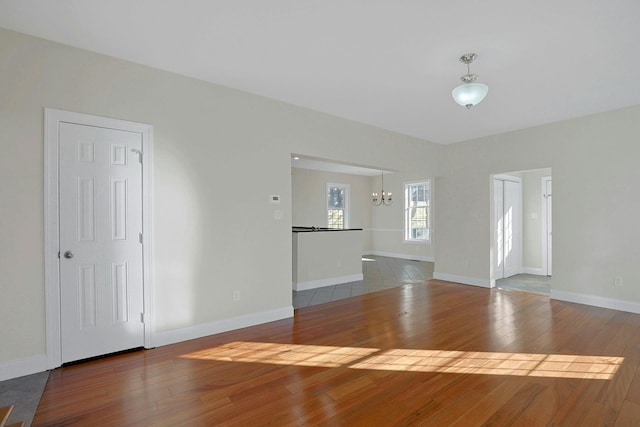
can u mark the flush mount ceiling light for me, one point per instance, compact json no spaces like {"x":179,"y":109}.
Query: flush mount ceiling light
{"x":469,"y":93}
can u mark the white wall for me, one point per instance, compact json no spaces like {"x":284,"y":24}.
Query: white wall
{"x":219,"y":154}
{"x":595,"y":208}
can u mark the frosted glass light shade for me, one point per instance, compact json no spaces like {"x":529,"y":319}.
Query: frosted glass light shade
{"x":469,"y":94}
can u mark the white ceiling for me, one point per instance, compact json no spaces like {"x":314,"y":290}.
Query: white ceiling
{"x":388,"y":63}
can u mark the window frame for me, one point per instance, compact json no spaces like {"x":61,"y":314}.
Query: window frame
{"x":429,"y":215}
{"x":345,"y":209}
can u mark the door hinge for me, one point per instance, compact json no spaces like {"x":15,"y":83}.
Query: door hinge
{"x":58,"y":254}
{"x":140,"y":237}
{"x":141,"y":317}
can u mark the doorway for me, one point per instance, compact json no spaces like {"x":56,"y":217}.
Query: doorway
{"x":97,"y":236}
{"x":507,"y":197}
{"x":533,"y":216}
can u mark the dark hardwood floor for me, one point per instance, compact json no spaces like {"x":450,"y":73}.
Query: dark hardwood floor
{"x":434,"y":353}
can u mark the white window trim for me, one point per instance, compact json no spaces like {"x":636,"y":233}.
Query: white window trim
{"x":347,"y":195}
{"x":405,"y":224}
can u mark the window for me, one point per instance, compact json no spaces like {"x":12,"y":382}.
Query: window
{"x":417,"y":211}
{"x":337,"y":203}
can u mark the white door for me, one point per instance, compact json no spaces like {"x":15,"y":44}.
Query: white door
{"x":549,"y":222}
{"x":512,"y":233}
{"x":498,"y":210}
{"x":507,"y":207}
{"x":100,"y":208}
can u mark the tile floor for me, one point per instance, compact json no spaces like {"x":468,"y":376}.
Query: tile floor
{"x":383,"y":273}
{"x":24,"y":393}
{"x":526,"y":282}
{"x":379,"y":273}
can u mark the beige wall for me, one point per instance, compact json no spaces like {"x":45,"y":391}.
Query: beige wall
{"x":219,"y":154}
{"x":383,"y":225}
{"x":324,"y":258}
{"x":387,"y":223}
{"x":595,"y":208}
{"x":309,"y":197}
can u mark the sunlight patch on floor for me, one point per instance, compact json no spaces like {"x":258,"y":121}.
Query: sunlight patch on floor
{"x":284,"y":354}
{"x":415,"y":360}
{"x":488,"y":363}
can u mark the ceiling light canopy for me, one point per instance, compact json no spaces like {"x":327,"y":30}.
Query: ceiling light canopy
{"x":469,"y":93}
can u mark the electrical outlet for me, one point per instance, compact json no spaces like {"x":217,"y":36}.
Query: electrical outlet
{"x":617,"y":281}
{"x":236,"y":295}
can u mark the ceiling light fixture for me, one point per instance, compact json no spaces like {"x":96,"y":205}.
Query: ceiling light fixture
{"x":383,"y":198}
{"x":469,"y":93}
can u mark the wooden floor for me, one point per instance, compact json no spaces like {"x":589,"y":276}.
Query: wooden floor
{"x":435,"y":353}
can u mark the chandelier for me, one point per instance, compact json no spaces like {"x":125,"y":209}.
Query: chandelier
{"x":469,"y":93}
{"x":383,"y":198}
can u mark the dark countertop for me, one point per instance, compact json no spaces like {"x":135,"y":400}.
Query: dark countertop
{"x":299,"y":229}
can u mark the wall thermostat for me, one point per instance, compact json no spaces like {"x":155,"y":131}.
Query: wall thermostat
{"x":275,"y":199}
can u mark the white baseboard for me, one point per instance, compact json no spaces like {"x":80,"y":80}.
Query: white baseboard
{"x":401,"y":256}
{"x":531,"y":270}
{"x":474,"y":281}
{"x":224,"y":325}
{"x":312,"y":284}
{"x":22,"y":367}
{"x":597,"y":301}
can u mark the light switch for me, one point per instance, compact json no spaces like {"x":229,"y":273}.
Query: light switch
{"x":277,"y":214}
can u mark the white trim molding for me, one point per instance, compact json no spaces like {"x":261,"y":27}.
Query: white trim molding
{"x":474,"y":281}
{"x":596,"y":301}
{"x":401,"y":256}
{"x":224,"y":325}
{"x":329,"y":281}
{"x":22,"y":367}
{"x":53,"y":118}
{"x":505,"y":177}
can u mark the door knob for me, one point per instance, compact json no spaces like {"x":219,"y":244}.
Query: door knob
{"x":68,"y":254}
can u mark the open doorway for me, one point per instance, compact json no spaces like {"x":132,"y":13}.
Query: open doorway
{"x":521,"y":226}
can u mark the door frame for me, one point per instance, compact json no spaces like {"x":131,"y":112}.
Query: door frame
{"x":545,"y":225}
{"x":52,"y":120}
